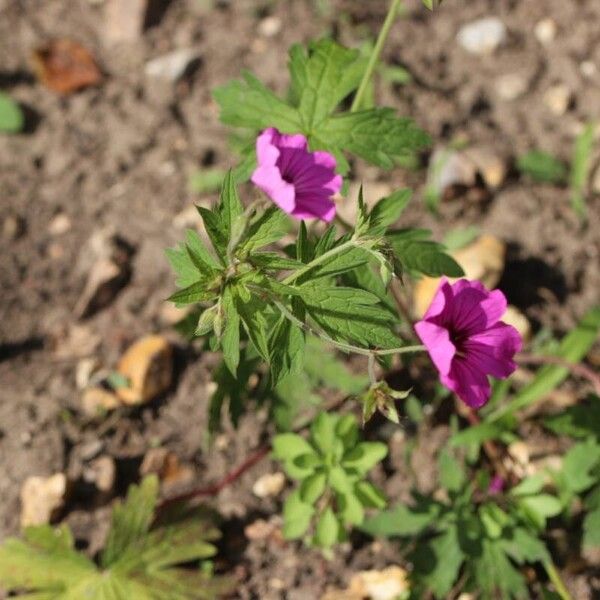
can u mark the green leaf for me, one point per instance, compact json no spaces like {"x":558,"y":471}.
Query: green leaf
{"x":312,"y":487}
{"x":350,"y":314}
{"x":365,"y":456}
{"x":580,"y":168}
{"x":542,"y":167}
{"x":530,"y":485}
{"x":12,"y":119}
{"x":230,"y":339}
{"x":579,"y":421}
{"x":320,"y":80}
{"x":327,"y":530}
{"x":573,"y":347}
{"x":274,"y":261}
{"x":286,"y":350}
{"x":578,"y":464}
{"x":451,"y":472}
{"x":230,"y":205}
{"x":422,"y":255}
{"x":346,"y":429}
{"x":540,"y":507}
{"x":523,"y":547}
{"x":350,"y":509}
{"x":131,"y":521}
{"x":286,"y":448}
{"x":459,"y":238}
{"x":216,"y":230}
{"x":328,"y":76}
{"x":322,"y":432}
{"x":197,"y":292}
{"x":403,"y":520}
{"x":440,"y":561}
{"x":296,"y":516}
{"x":495,"y":576}
{"x":249,"y":103}
{"x":270,"y":227}
{"x":252,"y":313}
{"x":387,"y":211}
{"x":376,"y":135}
{"x":591,"y":527}
{"x":369,"y":495}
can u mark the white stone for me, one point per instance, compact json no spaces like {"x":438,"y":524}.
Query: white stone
{"x":482,"y":36}
{"x":171,"y":66}
{"x":269,"y":485}
{"x":59,"y":225}
{"x":269,"y":26}
{"x":545,"y":31}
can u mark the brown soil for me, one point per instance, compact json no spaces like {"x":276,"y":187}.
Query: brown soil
{"x":120,"y":155}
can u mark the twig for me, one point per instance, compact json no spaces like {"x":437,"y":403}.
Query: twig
{"x":575,"y":368}
{"x":232,"y":476}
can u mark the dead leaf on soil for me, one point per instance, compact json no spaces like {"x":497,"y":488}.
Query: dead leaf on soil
{"x":65,"y":66}
{"x":389,"y":584}
{"x":148,"y":366}
{"x":166,"y":464}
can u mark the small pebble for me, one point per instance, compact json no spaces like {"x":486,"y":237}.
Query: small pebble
{"x":59,"y":224}
{"x":545,"y":31}
{"x":483,"y":36}
{"x":269,"y":26}
{"x":41,"y":498}
{"x":269,"y":485}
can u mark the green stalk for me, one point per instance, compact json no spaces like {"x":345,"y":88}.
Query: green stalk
{"x":554,"y":577}
{"x":342,"y":345}
{"x":375,"y":55}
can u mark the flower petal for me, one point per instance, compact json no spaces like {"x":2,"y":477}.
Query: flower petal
{"x":269,"y":180}
{"x":438,"y":344}
{"x":266,"y":150}
{"x":471,"y":386}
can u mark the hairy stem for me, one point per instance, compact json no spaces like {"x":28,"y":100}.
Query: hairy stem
{"x":342,"y":345}
{"x":318,"y":261}
{"x":556,"y":580}
{"x":375,"y":55}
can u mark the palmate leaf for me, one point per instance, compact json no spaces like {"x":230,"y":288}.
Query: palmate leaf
{"x":320,"y":80}
{"x":138,"y":562}
{"x":418,"y":254}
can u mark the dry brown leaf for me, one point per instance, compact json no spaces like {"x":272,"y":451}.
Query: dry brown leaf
{"x":65,"y":66}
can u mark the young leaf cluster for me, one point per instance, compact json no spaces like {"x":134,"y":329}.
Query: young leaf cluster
{"x":140,"y":560}
{"x":320,"y":80}
{"x":477,"y":539}
{"x":331,"y":467}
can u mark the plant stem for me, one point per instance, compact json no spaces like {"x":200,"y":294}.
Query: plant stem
{"x":374,"y":58}
{"x":319,"y":260}
{"x":556,"y":580}
{"x":342,"y":345}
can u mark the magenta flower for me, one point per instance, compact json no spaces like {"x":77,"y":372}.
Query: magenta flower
{"x":496,"y":486}
{"x":467,"y":341}
{"x":300,"y":182}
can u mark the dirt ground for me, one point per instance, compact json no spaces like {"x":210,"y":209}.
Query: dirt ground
{"x":119,"y":156}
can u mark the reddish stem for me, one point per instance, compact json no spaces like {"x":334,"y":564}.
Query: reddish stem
{"x":215,"y":488}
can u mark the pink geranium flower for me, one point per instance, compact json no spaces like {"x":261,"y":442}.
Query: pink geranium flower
{"x":467,"y":341}
{"x":300,"y":182}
